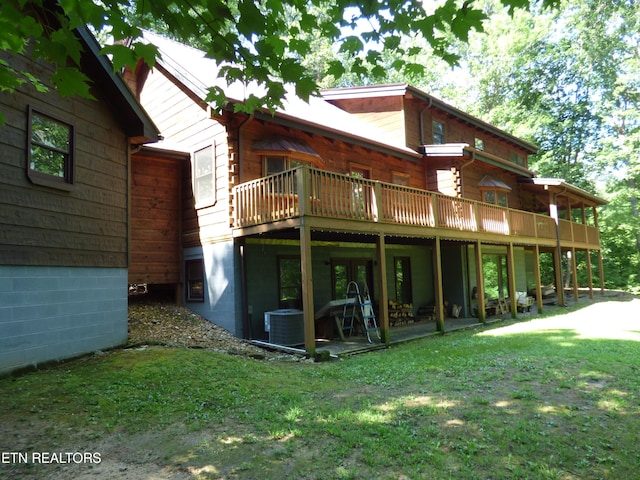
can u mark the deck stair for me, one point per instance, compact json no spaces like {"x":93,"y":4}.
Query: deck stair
{"x":358,"y":303}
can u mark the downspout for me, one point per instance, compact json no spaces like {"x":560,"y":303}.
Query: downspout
{"x":462,"y":167}
{"x":421,"y":127}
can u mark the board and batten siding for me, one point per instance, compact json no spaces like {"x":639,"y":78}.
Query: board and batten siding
{"x":86,"y":226}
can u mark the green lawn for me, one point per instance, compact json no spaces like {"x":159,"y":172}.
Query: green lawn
{"x":545,"y":403}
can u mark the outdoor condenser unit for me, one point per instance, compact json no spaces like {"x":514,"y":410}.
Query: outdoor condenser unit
{"x":285,"y":326}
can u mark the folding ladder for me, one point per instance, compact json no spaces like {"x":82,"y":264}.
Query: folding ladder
{"x":358,"y":303}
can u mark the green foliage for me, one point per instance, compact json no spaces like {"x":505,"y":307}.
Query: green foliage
{"x":266,"y":42}
{"x":516,"y":402}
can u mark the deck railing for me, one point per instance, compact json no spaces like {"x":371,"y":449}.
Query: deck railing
{"x":308,"y":191}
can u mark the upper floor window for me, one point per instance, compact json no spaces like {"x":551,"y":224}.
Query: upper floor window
{"x":438,"y":133}
{"x":279,"y":163}
{"x":204,"y":176}
{"x":517,"y":159}
{"x":497,"y":197}
{"x":50,"y":150}
{"x":479,"y":144}
{"x":400,"y":179}
{"x":494,"y":191}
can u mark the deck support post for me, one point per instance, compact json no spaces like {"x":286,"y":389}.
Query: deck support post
{"x":307,"y":290}
{"x":574,"y":274}
{"x":590,"y":274}
{"x":536,"y":273}
{"x":382,"y":288}
{"x":601,"y":271}
{"x":482,"y":314}
{"x":437,"y":285}
{"x":557,"y":256}
{"x":511,"y":279}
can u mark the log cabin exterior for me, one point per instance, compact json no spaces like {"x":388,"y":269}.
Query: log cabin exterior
{"x":384,"y":185}
{"x":64,"y":228}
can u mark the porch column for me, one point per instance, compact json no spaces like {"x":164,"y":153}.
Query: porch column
{"x":574,"y":274}
{"x":589,"y":274}
{"x":480,"y":283}
{"x":557,"y":255}
{"x":437,"y":284}
{"x":511,"y":279}
{"x":557,"y":270}
{"x":307,"y":289}
{"x":536,"y":272}
{"x":383,"y":310}
{"x":600,"y":265}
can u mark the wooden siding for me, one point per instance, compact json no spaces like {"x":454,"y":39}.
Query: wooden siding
{"x":155,"y":215}
{"x":183,"y":121}
{"x":39,"y":225}
{"x":335,"y":156}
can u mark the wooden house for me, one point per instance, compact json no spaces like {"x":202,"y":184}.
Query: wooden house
{"x":383,"y":185}
{"x":64,"y":226}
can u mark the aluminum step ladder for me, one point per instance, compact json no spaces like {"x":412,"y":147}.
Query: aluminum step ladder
{"x":359,"y":304}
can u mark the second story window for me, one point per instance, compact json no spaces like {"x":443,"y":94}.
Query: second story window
{"x":517,"y":159}
{"x":204,"y":176}
{"x":479,"y":144}
{"x":497,"y":197}
{"x":50,"y":150}
{"x":438,"y":133}
{"x":494,"y":191}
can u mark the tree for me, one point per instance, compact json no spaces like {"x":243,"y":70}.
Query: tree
{"x":262,"y":41}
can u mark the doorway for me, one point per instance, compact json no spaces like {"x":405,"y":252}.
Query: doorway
{"x":345,"y":270}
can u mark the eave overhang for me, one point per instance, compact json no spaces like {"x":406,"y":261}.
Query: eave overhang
{"x":465,"y":150}
{"x":559,"y":187}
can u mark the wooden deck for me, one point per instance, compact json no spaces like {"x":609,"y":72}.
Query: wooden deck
{"x":330,"y":200}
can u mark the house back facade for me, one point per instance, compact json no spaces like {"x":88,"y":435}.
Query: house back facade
{"x":382,"y":185}
{"x":64,"y":213}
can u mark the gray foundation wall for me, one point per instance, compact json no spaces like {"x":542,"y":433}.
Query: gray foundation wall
{"x":53,"y":313}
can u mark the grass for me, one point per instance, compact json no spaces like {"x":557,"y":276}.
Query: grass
{"x":546,"y":404}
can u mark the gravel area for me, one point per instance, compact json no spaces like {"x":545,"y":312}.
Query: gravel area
{"x":159,"y":321}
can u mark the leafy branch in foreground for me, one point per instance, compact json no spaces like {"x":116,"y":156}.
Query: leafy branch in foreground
{"x":264,"y":42}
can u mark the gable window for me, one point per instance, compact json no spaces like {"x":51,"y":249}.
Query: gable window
{"x":50,"y":150}
{"x":438,"y":133}
{"x":194,"y":280}
{"x":204,"y":176}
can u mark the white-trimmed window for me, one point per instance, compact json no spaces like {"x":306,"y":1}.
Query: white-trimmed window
{"x":204,"y":173}
{"x":50,"y":150}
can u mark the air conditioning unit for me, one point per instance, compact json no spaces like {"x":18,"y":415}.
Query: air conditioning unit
{"x":285,"y":326}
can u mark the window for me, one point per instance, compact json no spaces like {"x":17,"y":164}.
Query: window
{"x":517,"y":159}
{"x":497,"y":197}
{"x":402,"y":274}
{"x":194,"y":279}
{"x":438,"y":133}
{"x":398,"y":178}
{"x":204,"y":176}
{"x":289,"y":282}
{"x":278,"y":164}
{"x":50,"y":150}
{"x":479,"y":144}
